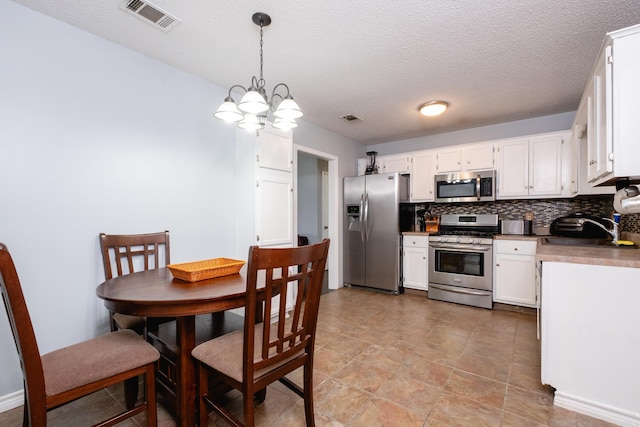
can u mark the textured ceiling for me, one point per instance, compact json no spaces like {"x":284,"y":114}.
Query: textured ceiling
{"x":493,"y":61}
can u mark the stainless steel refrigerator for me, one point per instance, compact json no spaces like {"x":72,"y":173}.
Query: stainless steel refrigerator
{"x":372,"y":230}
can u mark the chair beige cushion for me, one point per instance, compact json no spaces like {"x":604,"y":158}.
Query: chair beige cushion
{"x":224,"y":353}
{"x":94,"y":360}
{"x":125,"y":321}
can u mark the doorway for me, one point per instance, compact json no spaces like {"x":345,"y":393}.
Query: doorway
{"x":316,"y":204}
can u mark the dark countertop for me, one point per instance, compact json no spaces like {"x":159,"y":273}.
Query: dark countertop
{"x":593,"y":255}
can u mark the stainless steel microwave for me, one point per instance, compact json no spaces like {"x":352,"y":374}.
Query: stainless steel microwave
{"x":478,"y":186}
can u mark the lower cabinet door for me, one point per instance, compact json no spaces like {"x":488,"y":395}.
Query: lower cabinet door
{"x":414,"y":268}
{"x":515,"y":280}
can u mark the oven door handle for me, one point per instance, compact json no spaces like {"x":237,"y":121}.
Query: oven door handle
{"x":460,"y":290}
{"x":464,"y":248}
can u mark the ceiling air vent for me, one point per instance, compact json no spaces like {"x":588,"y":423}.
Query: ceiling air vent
{"x":150,"y":14}
{"x":351,"y":118}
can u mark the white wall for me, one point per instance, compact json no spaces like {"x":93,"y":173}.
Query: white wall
{"x":97,"y":138}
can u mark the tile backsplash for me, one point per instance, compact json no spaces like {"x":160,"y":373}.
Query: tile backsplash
{"x":544,"y":210}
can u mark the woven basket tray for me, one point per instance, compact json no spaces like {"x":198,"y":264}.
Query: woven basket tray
{"x":206,"y":269}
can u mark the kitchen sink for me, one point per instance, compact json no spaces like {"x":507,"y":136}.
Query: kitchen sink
{"x":577,"y":241}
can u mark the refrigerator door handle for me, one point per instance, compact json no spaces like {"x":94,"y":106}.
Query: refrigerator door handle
{"x":361,"y":217}
{"x":366,"y":216}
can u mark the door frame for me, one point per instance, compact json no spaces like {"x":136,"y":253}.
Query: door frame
{"x":333,"y":208}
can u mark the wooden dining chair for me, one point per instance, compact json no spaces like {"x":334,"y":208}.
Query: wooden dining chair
{"x":263,"y":352}
{"x":128,"y":253}
{"x":66,"y":374}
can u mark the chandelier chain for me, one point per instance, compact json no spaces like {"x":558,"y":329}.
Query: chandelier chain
{"x":261,"y":57}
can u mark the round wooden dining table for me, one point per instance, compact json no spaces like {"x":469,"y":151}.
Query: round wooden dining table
{"x":156,"y":293}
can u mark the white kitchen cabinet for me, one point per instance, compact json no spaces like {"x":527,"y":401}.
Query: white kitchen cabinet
{"x":394,"y":163}
{"x":264,"y":183}
{"x":513,"y":169}
{"x":421,"y":181}
{"x":414,"y":262}
{"x":464,"y":158}
{"x":589,"y":339}
{"x":532,"y":167}
{"x":274,"y":208}
{"x":274,"y":150}
{"x":545,"y":165}
{"x":580,"y":164}
{"x":515,"y":272}
{"x":612,"y":99}
{"x":599,"y":143}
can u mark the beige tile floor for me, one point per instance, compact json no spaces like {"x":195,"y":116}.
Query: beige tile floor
{"x":385,"y":360}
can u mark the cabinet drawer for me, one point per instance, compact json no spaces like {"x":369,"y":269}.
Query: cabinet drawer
{"x":521,"y":247}
{"x":415,"y":241}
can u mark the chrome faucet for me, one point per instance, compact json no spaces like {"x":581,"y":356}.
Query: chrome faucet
{"x":613,"y":232}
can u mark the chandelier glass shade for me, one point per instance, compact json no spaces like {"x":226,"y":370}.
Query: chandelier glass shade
{"x":254,"y":106}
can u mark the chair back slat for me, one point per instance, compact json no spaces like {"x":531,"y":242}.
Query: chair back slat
{"x":133,"y":252}
{"x":23,"y":333}
{"x":284,"y":334}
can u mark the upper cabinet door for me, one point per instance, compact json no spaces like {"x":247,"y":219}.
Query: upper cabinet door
{"x":449,"y":160}
{"x":513,"y":168}
{"x":274,"y":208}
{"x":600,"y":138}
{"x":545,"y":165}
{"x":390,"y":164}
{"x":478,"y":157}
{"x":275,"y":150}
{"x":421,"y":182}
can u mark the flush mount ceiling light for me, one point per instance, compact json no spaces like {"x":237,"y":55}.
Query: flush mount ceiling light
{"x":251,"y":112}
{"x":433,"y":108}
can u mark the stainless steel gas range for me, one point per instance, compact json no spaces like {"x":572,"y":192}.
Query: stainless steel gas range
{"x":461,"y":259}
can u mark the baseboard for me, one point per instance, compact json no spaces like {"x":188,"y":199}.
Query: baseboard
{"x":597,"y":410}
{"x":11,"y":400}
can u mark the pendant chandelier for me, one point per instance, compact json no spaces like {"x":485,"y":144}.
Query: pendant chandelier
{"x":251,"y":112}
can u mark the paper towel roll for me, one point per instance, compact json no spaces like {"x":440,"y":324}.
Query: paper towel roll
{"x":624,"y":204}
